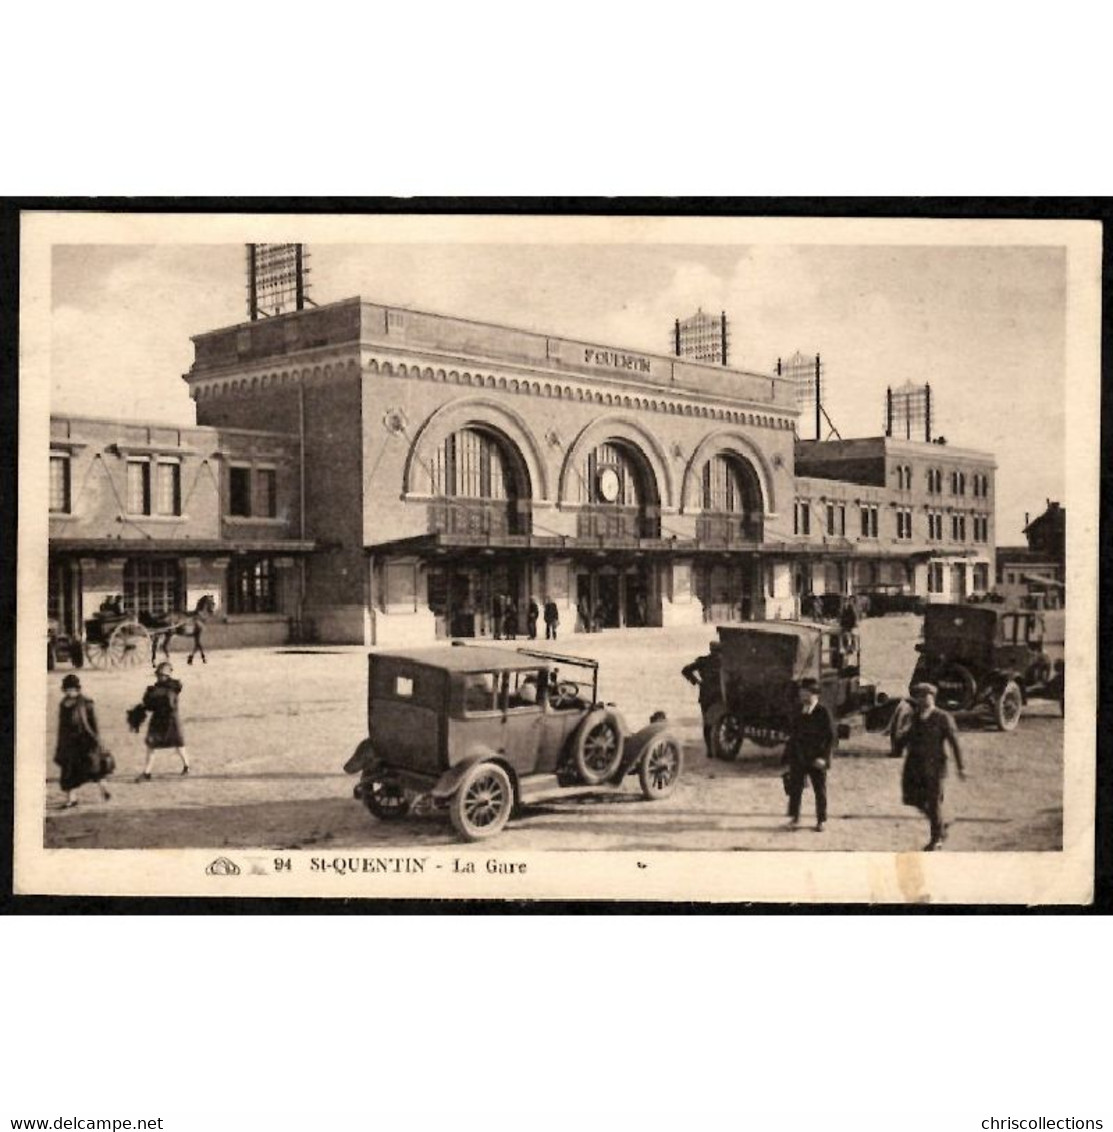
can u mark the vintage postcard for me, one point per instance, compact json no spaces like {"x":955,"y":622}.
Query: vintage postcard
{"x":548,"y":557}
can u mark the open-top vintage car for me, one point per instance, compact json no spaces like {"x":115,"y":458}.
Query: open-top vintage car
{"x":761,"y":665}
{"x":479,"y":730}
{"x":982,"y":657}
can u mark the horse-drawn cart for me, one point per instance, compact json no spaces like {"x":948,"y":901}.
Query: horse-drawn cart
{"x":117,"y":641}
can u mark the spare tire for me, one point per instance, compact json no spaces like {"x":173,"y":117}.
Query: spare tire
{"x":597,"y":750}
{"x":957,"y":688}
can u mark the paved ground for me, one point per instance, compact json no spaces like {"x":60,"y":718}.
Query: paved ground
{"x":269,"y":730}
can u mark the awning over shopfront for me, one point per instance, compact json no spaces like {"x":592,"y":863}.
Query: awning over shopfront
{"x":127,"y":547}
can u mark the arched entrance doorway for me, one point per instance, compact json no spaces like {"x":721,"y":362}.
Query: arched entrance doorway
{"x":619,"y":505}
{"x":727,"y":582}
{"x":481,"y":488}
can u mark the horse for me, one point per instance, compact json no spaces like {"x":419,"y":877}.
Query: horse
{"x":179,"y":624}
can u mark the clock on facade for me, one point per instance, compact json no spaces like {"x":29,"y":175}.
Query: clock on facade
{"x":608,"y":484}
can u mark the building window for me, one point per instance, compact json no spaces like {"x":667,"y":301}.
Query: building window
{"x":152,"y":585}
{"x":251,"y":585}
{"x":267,"y":480}
{"x":239,"y":492}
{"x":935,"y":577}
{"x":723,"y":488}
{"x":470,"y":464}
{"x":168,"y":496}
{"x":802,"y":518}
{"x":958,"y":528}
{"x":139,"y":487}
{"x":935,"y":481}
{"x":904,"y":523}
{"x":868,"y":515}
{"x":981,"y":577}
{"x":830,"y":518}
{"x":59,"y":482}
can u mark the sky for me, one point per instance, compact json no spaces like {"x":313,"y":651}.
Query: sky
{"x":985,"y":325}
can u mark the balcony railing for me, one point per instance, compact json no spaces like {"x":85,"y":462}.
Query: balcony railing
{"x":728,"y":530}
{"x":479,"y":517}
{"x":618,"y":523}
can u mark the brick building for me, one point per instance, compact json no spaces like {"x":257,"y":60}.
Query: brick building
{"x":417,"y":470}
{"x":164,"y":515}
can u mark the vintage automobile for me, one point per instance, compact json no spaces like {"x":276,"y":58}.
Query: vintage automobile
{"x":761,"y":666}
{"x":479,"y":730}
{"x":890,"y":597}
{"x":982,"y":657}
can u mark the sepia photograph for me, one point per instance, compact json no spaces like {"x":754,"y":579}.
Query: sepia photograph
{"x":559,"y":557}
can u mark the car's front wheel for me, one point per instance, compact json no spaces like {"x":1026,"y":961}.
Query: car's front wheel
{"x":1008,"y":706}
{"x":725,"y":730}
{"x":384,"y":798}
{"x":482,"y":803}
{"x":660,"y":767}
{"x":598,"y":749}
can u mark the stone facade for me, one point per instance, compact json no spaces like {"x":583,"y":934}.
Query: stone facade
{"x":451,"y":471}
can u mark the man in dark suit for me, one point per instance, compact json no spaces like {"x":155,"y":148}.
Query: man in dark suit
{"x":808,"y":754}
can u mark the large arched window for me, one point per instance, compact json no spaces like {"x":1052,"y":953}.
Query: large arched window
{"x":610,"y":474}
{"x":474,"y":465}
{"x":731,"y":500}
{"x":482,"y":483}
{"x":617,"y":493}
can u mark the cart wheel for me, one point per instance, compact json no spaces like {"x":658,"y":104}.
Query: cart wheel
{"x":96,"y":653}
{"x":598,"y":749}
{"x":481,"y":805}
{"x":660,"y":767}
{"x":726,"y":733}
{"x":129,"y":645}
{"x":384,"y":798}
{"x":1007,"y":707}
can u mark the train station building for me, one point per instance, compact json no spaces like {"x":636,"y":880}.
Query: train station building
{"x":366,"y":473}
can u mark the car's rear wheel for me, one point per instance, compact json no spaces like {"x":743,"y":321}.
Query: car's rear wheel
{"x":384,"y":797}
{"x":483,"y":802}
{"x":1008,"y":706}
{"x":725,"y":730}
{"x":598,"y":749}
{"x":660,"y":767}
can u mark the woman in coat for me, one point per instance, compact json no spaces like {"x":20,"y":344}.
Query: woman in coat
{"x":165,"y":727}
{"x":78,"y":750}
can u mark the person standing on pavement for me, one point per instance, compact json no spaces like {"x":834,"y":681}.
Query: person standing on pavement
{"x":165,"y":728}
{"x":77,"y":752}
{"x":808,"y":754}
{"x":704,"y":673}
{"x":552,"y":619}
{"x":929,"y":733}
{"x":533,"y":612}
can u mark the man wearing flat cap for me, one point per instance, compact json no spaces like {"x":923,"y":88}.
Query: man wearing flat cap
{"x":927,"y":737}
{"x":808,"y":754}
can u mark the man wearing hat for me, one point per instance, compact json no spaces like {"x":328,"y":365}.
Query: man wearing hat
{"x":927,"y":737}
{"x":808,"y":754}
{"x":704,"y":672}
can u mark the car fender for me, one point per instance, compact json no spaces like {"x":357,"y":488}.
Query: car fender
{"x":449,"y":781}
{"x":995,"y":683}
{"x":634,"y":746}
{"x":363,"y":758}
